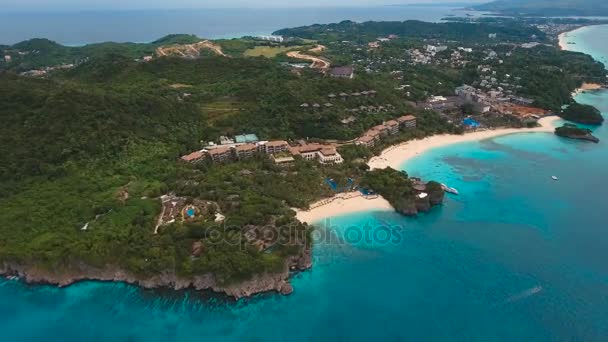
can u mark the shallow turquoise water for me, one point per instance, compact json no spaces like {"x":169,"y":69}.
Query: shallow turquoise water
{"x":590,"y":40}
{"x":517,"y":256}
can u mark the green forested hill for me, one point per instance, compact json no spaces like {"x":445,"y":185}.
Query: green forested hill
{"x":73,"y":144}
{"x":548,"y":7}
{"x":413,"y":29}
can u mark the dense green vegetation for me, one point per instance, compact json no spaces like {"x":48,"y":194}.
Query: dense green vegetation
{"x":547,"y":7}
{"x":549,"y":75}
{"x":584,"y":114}
{"x":75,"y":143}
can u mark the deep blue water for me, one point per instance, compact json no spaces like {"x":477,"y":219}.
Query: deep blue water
{"x":517,"y":257}
{"x":77,"y":28}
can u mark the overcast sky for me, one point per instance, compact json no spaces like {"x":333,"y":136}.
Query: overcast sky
{"x":44,"y":5}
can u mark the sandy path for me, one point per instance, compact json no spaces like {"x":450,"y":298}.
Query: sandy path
{"x":317,"y":63}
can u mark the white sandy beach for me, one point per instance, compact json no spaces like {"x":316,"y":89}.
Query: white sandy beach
{"x":563,"y":41}
{"x":343,"y":204}
{"x":394,"y":157}
{"x":397,"y":155}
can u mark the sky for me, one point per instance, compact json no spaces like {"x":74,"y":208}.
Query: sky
{"x":62,"y":5}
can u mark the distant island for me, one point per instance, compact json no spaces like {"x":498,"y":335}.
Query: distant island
{"x":546,"y":8}
{"x":574,"y":132}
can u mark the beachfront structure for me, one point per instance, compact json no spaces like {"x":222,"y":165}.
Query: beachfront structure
{"x":407,"y":121}
{"x":368,"y":140}
{"x":324,"y":154}
{"x":239,"y":151}
{"x":371,"y":137}
{"x":392,"y":126}
{"x":342,"y":72}
{"x":381,"y":129}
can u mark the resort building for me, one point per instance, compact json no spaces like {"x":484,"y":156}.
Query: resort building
{"x":329,"y":155}
{"x":272,"y":147}
{"x":325,"y":154}
{"x":392,"y":126}
{"x":381,"y":129}
{"x":367,"y":140}
{"x":273,"y":38}
{"x":241,"y":151}
{"x":407,"y":121}
{"x":221,"y":154}
{"x":245,"y":151}
{"x":342,"y":72}
{"x":194,"y":156}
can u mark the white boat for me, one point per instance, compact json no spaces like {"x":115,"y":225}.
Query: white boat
{"x":450,"y":190}
{"x":554,"y":178}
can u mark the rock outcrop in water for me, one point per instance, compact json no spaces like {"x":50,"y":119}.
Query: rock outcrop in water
{"x":573,"y":132}
{"x":278,"y":282}
{"x":583,"y":114}
{"x":409,"y":196}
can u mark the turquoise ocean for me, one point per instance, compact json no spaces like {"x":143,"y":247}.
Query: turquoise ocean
{"x":148,"y":25}
{"x":516,"y":257}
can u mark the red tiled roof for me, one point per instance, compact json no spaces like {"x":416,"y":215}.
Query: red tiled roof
{"x":328,"y":151}
{"x":276,"y":143}
{"x":366,"y":138}
{"x":246,"y":147}
{"x":392,"y":123}
{"x":406,"y":118}
{"x":193,"y":156}
{"x":219,"y":150}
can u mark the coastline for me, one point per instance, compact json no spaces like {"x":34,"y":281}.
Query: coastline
{"x":259,"y":283}
{"x":342,"y":204}
{"x":562,"y":37}
{"x":395,"y":156}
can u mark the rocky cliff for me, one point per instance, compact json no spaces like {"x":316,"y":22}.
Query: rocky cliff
{"x":268,"y":282}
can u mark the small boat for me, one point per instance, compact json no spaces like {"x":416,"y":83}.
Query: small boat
{"x":554,"y":178}
{"x":450,"y":190}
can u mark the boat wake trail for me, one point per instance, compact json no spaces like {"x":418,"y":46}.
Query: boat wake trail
{"x":523,"y":295}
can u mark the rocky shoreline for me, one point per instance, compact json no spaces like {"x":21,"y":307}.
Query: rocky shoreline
{"x":268,"y":282}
